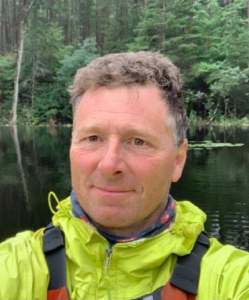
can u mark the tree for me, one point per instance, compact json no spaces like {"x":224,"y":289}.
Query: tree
{"x":59,"y":104}
{"x":13,"y":113}
{"x":7,"y":65}
{"x":123,"y":19}
{"x":202,"y":37}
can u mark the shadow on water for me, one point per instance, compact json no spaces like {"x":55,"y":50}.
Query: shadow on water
{"x":34,"y":161}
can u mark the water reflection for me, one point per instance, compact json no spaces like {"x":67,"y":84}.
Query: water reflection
{"x":45,"y":163}
{"x":215,"y":180}
{"x":14,"y":131}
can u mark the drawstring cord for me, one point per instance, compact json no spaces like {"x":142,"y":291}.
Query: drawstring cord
{"x":50,"y":195}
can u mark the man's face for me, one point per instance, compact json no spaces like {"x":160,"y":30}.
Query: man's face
{"x":123,"y":157}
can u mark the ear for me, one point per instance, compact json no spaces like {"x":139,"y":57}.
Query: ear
{"x":180,"y":160}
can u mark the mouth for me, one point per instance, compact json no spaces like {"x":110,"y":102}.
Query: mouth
{"x":112,"y":190}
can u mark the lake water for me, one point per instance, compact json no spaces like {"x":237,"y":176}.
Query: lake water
{"x":34,"y":161}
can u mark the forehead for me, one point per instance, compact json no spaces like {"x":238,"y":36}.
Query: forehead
{"x":141,"y":109}
{"x":140,"y":101}
{"x":132,"y":111}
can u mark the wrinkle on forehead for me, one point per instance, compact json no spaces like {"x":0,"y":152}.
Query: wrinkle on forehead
{"x":132,"y":93}
{"x":126,"y":100}
{"x":127,"y":130}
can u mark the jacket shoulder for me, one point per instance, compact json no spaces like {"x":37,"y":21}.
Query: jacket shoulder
{"x":22,"y":263}
{"x":224,"y":273}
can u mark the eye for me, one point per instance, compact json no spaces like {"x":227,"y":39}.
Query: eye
{"x":139,"y":142}
{"x":93,"y":138}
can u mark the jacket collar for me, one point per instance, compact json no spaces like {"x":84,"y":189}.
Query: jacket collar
{"x":165,"y":222}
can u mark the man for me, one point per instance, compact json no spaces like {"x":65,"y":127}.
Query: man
{"x":123,"y":232}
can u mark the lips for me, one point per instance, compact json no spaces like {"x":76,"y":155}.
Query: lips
{"x":111,"y":194}
{"x":112,"y":190}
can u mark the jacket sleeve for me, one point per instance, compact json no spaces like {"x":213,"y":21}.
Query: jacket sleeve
{"x":23,"y":270}
{"x":225,"y":273}
{"x":234,"y":279}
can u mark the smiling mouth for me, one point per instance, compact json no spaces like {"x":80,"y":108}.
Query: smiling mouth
{"x":113,"y":191}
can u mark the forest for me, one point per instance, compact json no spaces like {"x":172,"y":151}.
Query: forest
{"x":44,"y":42}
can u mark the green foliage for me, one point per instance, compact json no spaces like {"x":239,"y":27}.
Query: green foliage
{"x":51,"y":102}
{"x":225,"y":81}
{"x":41,"y":59}
{"x":147,"y":30}
{"x":207,"y":40}
{"x":7,"y":64}
{"x":121,"y":26}
{"x":64,"y":76}
{"x":80,"y":58}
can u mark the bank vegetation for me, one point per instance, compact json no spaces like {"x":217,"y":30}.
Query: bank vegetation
{"x":44,"y":42}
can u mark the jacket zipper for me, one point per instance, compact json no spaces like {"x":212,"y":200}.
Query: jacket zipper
{"x":107,"y":263}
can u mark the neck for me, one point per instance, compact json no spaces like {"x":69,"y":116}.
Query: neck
{"x":138,"y":227}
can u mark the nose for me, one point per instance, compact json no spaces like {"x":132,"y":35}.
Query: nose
{"x":112,"y":163}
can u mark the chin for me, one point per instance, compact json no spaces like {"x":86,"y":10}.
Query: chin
{"x":111,"y":222}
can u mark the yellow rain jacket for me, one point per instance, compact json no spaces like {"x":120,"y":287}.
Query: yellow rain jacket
{"x":135,"y":269}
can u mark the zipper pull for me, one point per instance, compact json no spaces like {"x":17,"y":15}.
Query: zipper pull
{"x":106,"y":266}
{"x":107,"y":260}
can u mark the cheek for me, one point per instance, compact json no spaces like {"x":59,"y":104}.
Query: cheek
{"x":82,"y":162}
{"x":160,"y":165}
{"x":156,"y":174}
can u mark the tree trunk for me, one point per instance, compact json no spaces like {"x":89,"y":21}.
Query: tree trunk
{"x":85,"y":20}
{"x":207,"y":43}
{"x":97,"y":24}
{"x":88,"y":25}
{"x":34,"y":69}
{"x":51,"y":10}
{"x":162,"y":26}
{"x":101,"y":21}
{"x":248,"y":15}
{"x":33,"y":85}
{"x":8,"y":22}
{"x":2,"y":30}
{"x":139,"y":8}
{"x":235,"y":103}
{"x":14,"y":25}
{"x":13,"y":113}
{"x":66,"y":22}
{"x":72,"y":23}
{"x":214,"y":113}
{"x":5,"y":27}
{"x":192,"y":15}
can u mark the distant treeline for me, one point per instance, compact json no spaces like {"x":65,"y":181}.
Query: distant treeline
{"x":207,"y":39}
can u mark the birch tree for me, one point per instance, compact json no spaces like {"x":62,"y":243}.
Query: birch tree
{"x":26,"y":9}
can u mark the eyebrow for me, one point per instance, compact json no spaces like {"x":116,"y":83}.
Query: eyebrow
{"x":86,"y":128}
{"x":143,"y":132}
